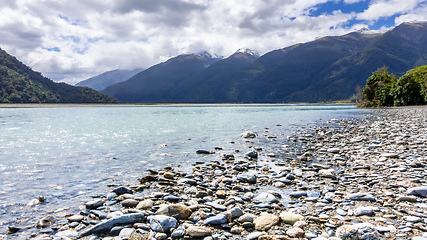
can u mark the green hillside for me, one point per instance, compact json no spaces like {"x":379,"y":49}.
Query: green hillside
{"x":20,"y":84}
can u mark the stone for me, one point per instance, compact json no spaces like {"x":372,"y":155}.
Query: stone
{"x":298,"y":194}
{"x":196,"y":231}
{"x":254,"y":235}
{"x":248,"y":134}
{"x":146,"y":204}
{"x":237,"y":230}
{"x":168,"y":175}
{"x":273,"y":237}
{"x":327,"y":173}
{"x":129,"y":203}
{"x":188,"y":181}
{"x":364,"y":231}
{"x":216,"y":206}
{"x":110,"y":223}
{"x":201,"y":151}
{"x":251,"y":154}
{"x":333,"y":150}
{"x":122,"y":190}
{"x":361,"y":197}
{"x":45,"y":222}
{"x":235,"y":212}
{"x":407,"y":199}
{"x":420,"y":191}
{"x":295,"y":232}
{"x":160,"y":236}
{"x":161,"y":223}
{"x":99,"y":214}
{"x":413,"y":219}
{"x":247,"y":217}
{"x":390,"y":155}
{"x":216,"y":220}
{"x":265,"y":197}
{"x":94,"y":204}
{"x":178,"y":233}
{"x":183,"y":212}
{"x":290,"y":217}
{"x":172,"y":198}
{"x":247,"y":177}
{"x":76,"y":218}
{"x":364,"y":211}
{"x":266,"y":221}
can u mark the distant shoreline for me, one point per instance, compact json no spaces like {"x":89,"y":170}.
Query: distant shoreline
{"x":166,"y":104}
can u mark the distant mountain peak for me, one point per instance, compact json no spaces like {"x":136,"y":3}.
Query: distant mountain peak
{"x":247,"y":51}
{"x":366,"y":30}
{"x":207,"y":55}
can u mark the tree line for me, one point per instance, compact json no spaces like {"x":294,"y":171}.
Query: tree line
{"x":386,"y":90}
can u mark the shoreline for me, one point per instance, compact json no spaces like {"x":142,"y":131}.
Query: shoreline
{"x":325,"y":182}
{"x":166,"y":104}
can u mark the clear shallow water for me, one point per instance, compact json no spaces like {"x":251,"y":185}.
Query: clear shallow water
{"x":71,"y":152}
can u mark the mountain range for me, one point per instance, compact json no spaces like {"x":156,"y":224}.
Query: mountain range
{"x":327,"y":69}
{"x":109,"y":78}
{"x":20,"y":84}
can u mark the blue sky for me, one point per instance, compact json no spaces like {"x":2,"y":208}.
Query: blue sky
{"x":71,"y":41}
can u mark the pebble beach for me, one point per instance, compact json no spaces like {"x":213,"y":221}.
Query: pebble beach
{"x":345,"y":179}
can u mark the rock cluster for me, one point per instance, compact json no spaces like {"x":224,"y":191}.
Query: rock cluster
{"x":349,"y":179}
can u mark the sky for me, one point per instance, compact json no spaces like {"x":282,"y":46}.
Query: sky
{"x":72,"y":40}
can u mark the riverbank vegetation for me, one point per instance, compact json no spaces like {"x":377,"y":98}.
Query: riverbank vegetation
{"x":386,"y":90}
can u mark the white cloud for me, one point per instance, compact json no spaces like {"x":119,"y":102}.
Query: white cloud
{"x":73,"y":40}
{"x":387,"y":8}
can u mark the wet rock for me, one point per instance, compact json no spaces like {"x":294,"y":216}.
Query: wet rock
{"x":94,"y":204}
{"x":247,"y":177}
{"x":76,"y":218}
{"x":45,"y":222}
{"x":161,"y":223}
{"x":248,"y":134}
{"x":265,"y":222}
{"x":298,"y":194}
{"x":110,"y":223}
{"x":201,"y":151}
{"x":251,"y":154}
{"x":183,"y":212}
{"x":122,"y":190}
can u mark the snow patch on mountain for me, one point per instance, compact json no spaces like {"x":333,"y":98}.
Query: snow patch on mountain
{"x":366,"y":30}
{"x":207,"y":55}
{"x":247,"y":51}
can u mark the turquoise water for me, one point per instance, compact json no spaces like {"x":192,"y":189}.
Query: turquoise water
{"x":71,"y":152}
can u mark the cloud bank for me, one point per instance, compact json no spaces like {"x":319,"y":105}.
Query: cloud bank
{"x":73,"y":40}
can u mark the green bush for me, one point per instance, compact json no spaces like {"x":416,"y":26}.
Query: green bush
{"x":384,"y":90}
